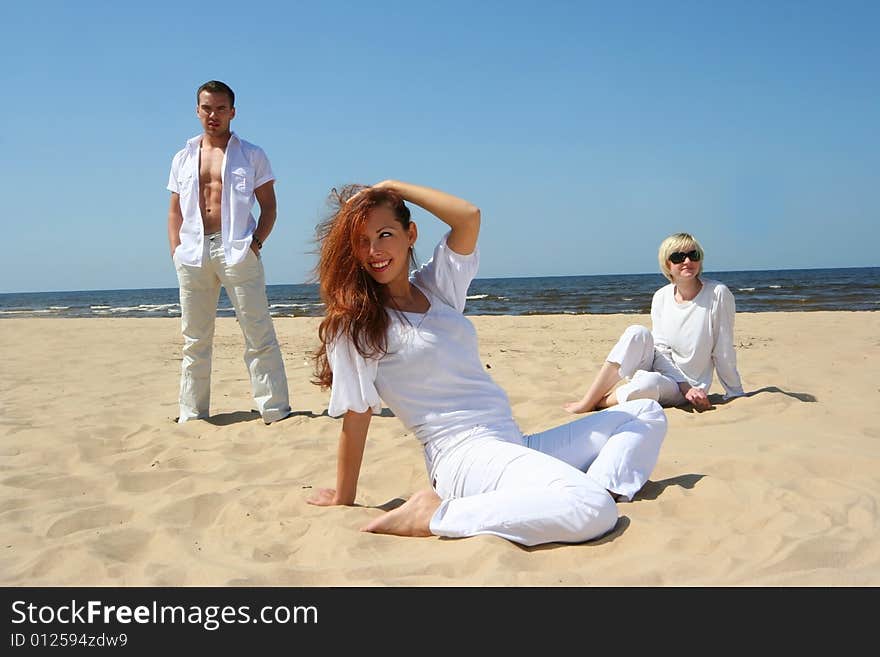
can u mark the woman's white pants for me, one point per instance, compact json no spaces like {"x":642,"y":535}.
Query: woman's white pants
{"x":634,"y":352}
{"x":551,"y":486}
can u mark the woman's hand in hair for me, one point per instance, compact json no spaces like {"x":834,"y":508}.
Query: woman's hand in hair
{"x":385,"y":184}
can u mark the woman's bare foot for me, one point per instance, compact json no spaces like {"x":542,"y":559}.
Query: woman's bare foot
{"x":581,"y":406}
{"x":412,"y":518}
{"x":607,"y":401}
{"x":600,"y":391}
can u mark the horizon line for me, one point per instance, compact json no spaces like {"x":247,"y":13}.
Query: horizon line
{"x":485,"y":278}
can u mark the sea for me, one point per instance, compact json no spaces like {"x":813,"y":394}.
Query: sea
{"x":856,"y":288}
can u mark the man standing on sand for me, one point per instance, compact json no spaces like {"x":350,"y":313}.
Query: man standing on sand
{"x":216,"y":241}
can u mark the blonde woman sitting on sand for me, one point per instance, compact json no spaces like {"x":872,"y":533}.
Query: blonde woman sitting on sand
{"x":401,"y":338}
{"x":692,"y":336}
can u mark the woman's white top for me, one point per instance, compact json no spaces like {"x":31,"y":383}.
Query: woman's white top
{"x":691,"y":338}
{"x":431,"y":376}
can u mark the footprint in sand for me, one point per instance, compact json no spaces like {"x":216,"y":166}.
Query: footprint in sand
{"x":143,"y":482}
{"x":61,"y":485}
{"x":160,"y":574}
{"x":271,"y":553}
{"x":194,"y":511}
{"x":95,"y":517}
{"x":124,"y":545}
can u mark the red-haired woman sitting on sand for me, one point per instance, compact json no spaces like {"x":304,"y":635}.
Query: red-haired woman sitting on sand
{"x":400,"y":338}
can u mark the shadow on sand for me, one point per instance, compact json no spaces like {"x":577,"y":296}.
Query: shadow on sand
{"x":654,"y":489}
{"x":718,"y":400}
{"x":800,"y":396}
{"x":390,"y":505}
{"x":386,"y":412}
{"x":650,"y":491}
{"x":225,"y":419}
{"x":623,"y":523}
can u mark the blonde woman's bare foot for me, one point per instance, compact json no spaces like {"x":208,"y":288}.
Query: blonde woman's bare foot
{"x":607,"y":401}
{"x":412,"y":518}
{"x":577,"y":407}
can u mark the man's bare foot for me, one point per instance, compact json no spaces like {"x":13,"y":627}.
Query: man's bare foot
{"x":412,"y":518}
{"x":577,"y":407}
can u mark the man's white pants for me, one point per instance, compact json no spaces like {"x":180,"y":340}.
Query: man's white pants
{"x":551,"y":486}
{"x":245,"y":285}
{"x":634,"y":352}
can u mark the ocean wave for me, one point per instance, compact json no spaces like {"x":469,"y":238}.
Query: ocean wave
{"x":295,"y":305}
{"x":24,"y":311}
{"x":154,"y":307}
{"x":471,"y":297}
{"x":141,"y":308}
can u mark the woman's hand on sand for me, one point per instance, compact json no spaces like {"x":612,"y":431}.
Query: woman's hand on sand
{"x":699,"y":398}
{"x":323,"y":497}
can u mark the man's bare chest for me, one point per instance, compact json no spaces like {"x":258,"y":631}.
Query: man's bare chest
{"x":210,"y":167}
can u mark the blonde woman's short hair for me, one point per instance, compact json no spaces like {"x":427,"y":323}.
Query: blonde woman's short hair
{"x":678,"y":242}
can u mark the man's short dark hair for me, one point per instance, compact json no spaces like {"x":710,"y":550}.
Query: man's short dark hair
{"x":217,"y":87}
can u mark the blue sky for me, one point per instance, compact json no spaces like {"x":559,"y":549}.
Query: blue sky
{"x":586,"y":132}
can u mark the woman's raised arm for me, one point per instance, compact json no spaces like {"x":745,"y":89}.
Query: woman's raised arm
{"x":461,"y":216}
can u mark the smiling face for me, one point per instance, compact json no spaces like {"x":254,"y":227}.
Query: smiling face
{"x":685,"y":270}
{"x":215,"y":112}
{"x":383,"y":247}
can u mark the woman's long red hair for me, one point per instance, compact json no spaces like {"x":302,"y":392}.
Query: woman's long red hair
{"x":354,"y":302}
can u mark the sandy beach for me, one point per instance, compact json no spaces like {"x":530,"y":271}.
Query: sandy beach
{"x":99,"y":487}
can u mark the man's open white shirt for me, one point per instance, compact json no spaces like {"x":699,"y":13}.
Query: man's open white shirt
{"x":245,"y":168}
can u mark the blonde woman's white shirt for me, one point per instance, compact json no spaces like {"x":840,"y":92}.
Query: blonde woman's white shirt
{"x":245,"y":168}
{"x":695,"y":338}
{"x":431,"y":377}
